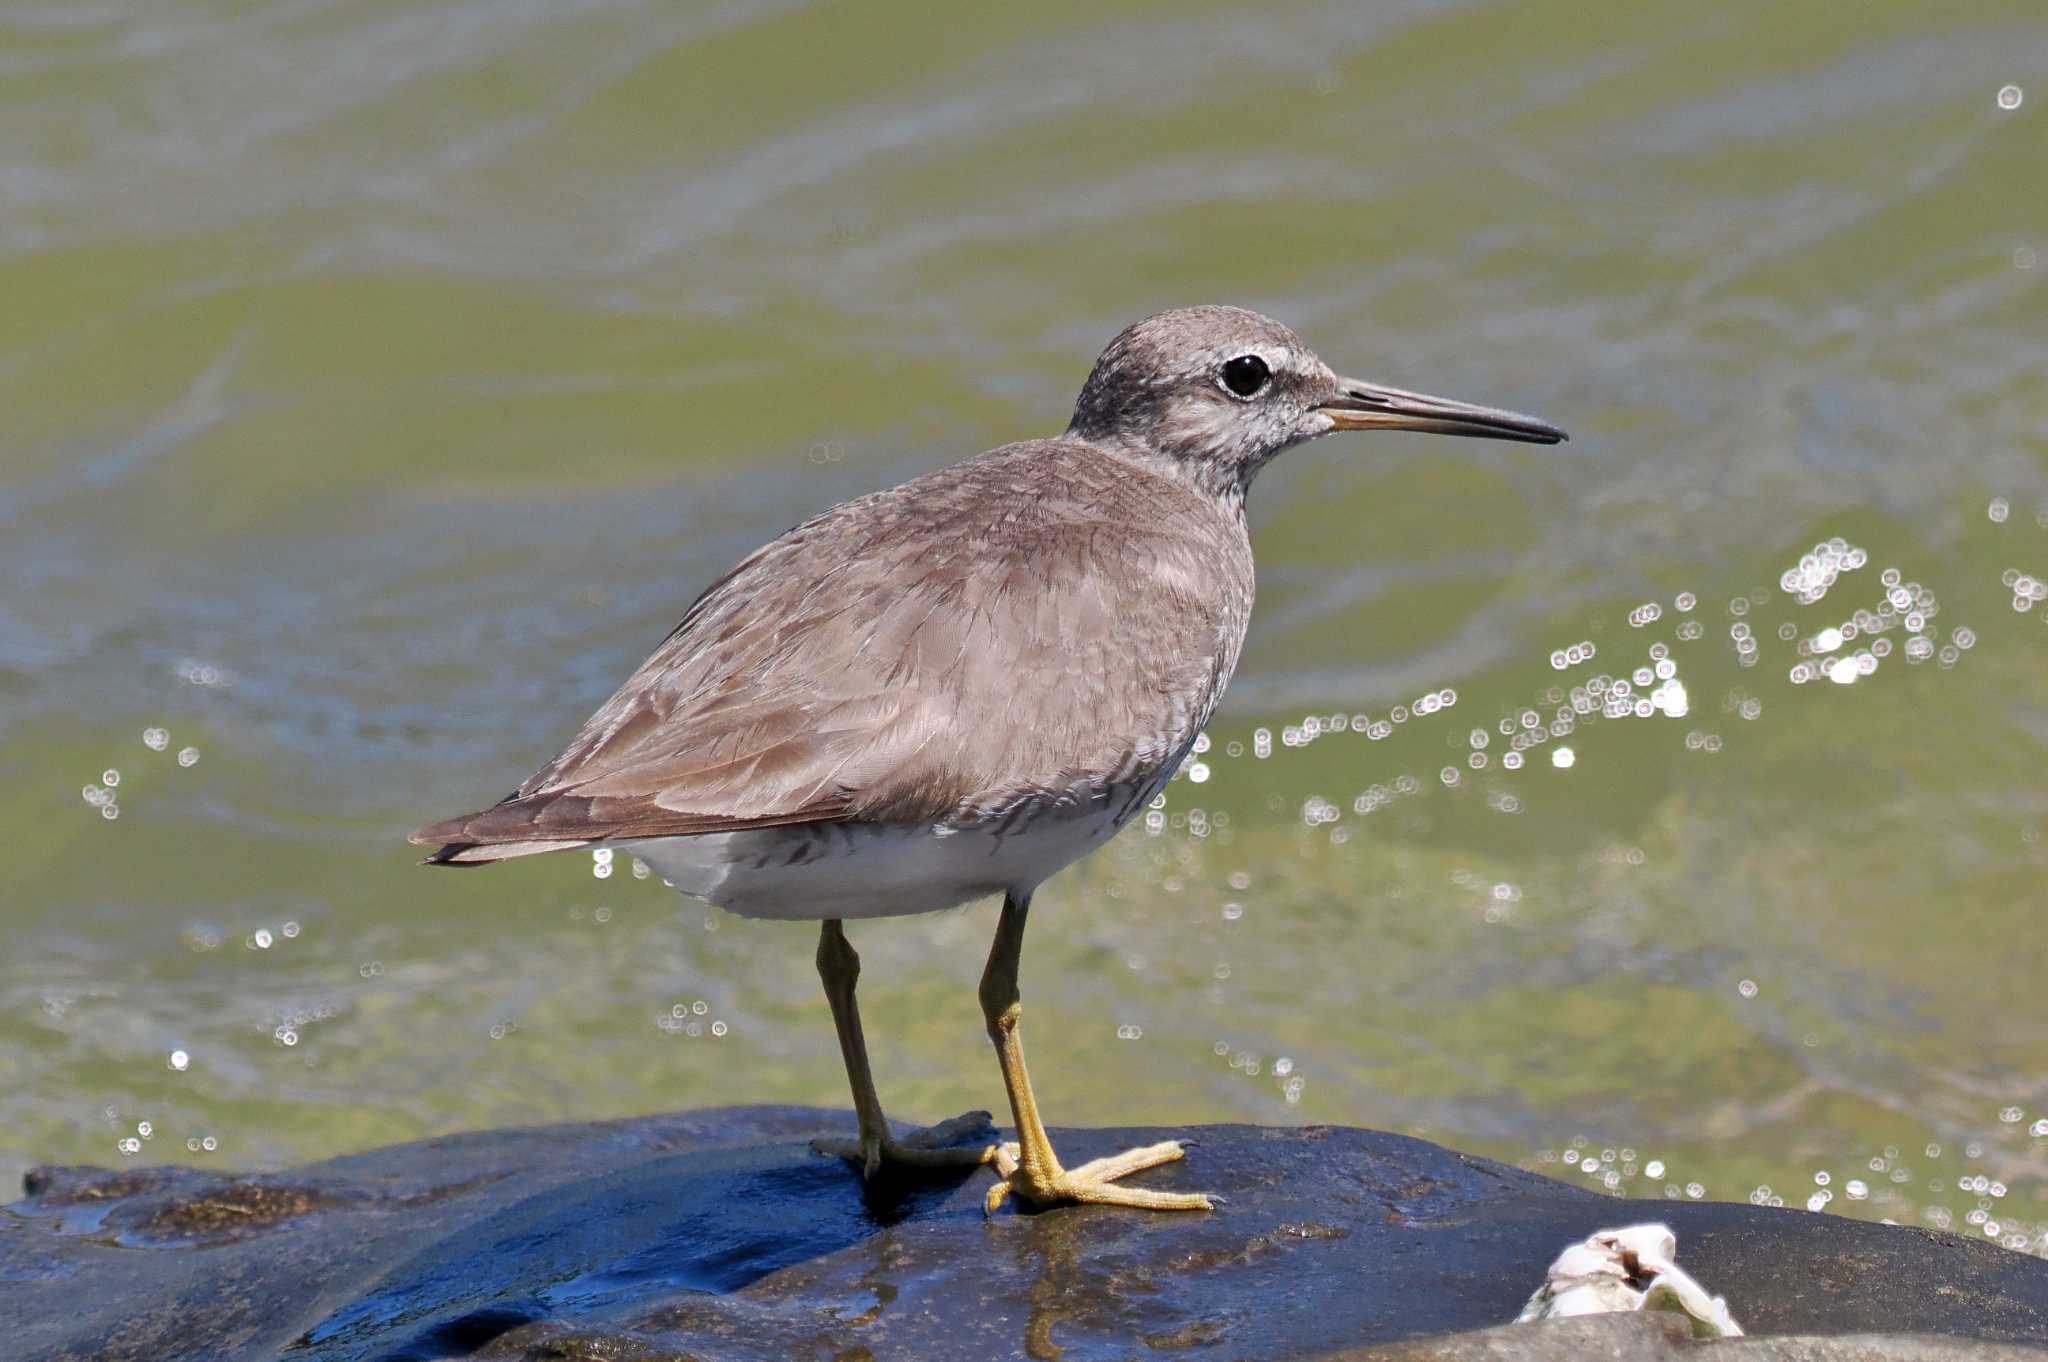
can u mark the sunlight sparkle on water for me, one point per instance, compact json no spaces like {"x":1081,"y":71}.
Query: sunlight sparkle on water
{"x":1489,"y":756}
{"x":1817,"y":570}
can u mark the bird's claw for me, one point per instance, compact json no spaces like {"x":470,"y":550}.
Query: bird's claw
{"x":932,"y":1148}
{"x":1093,"y":1183}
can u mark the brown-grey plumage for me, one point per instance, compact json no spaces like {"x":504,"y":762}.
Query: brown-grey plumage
{"x":1047,"y":622}
{"x":956,"y":686}
{"x":1028,"y":625}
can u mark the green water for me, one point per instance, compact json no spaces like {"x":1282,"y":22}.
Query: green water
{"x":380,"y":380}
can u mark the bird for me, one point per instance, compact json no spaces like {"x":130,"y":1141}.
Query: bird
{"x":953,"y":688}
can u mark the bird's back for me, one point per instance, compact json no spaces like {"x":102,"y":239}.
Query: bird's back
{"x":1032,"y":626}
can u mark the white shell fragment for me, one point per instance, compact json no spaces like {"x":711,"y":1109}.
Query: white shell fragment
{"x":1632,"y":1268}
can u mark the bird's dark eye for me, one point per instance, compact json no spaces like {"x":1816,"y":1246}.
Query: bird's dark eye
{"x":1245,"y":375}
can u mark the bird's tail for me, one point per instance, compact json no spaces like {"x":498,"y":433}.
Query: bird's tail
{"x":468,"y":840}
{"x":483,"y":853}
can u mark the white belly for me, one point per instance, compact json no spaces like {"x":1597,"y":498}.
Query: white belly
{"x":853,"y":870}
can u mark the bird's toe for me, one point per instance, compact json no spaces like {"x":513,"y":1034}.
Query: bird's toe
{"x":1094,"y":1183}
{"x":968,"y":1125}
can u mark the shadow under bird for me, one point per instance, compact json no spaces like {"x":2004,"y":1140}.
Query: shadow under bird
{"x":953,"y":688}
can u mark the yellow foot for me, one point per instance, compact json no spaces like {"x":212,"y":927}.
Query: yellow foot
{"x":934,"y":1147}
{"x":1093,"y":1183}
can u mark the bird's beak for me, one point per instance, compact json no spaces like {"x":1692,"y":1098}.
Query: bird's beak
{"x":1374,"y":406}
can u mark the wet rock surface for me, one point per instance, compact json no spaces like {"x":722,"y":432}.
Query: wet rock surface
{"x":719,"y":1235}
{"x":1666,"y":1338}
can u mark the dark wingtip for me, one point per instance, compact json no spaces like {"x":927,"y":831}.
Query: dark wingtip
{"x":447,"y":853}
{"x":444,"y":833}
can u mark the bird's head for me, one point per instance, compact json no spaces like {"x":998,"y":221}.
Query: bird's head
{"x":1224,"y":390}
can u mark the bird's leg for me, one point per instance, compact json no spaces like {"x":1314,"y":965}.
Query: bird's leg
{"x":839,"y":967}
{"x":1029,"y":1167}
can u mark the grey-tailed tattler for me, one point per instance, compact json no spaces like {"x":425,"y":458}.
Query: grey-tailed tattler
{"x":953,"y":688}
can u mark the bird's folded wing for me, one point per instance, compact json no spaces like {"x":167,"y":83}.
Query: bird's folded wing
{"x":742,"y":766}
{"x":904,"y":658}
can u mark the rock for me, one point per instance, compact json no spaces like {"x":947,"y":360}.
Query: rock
{"x":719,"y":1235}
{"x":1666,"y":1338}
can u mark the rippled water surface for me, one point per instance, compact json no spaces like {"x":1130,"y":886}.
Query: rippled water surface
{"x":380,"y":380}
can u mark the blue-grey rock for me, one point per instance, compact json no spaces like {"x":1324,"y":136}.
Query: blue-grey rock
{"x":719,"y":1235}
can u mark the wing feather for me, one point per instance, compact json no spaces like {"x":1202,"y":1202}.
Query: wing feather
{"x":909,"y":656}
